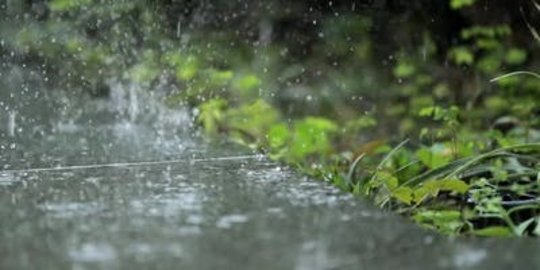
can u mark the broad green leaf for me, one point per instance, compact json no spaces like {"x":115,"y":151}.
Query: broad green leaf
{"x":278,"y":136}
{"x":220,"y":77}
{"x":486,"y":31}
{"x":431,"y":188}
{"x":458,"y":4}
{"x":404,"y":70}
{"x":435,"y":156}
{"x":461,"y":55}
{"x":537,"y":228}
{"x":489,"y":64}
{"x":247,"y":82}
{"x":187,"y":71}
{"x":388,"y":180}
{"x":211,"y":114}
{"x":446,"y":221}
{"x":452,"y":185}
{"x":522,"y":227}
{"x":403,"y":194}
{"x":515,"y":56}
{"x":63,"y":5}
{"x":494,"y":231}
{"x":255,"y":118}
{"x":144,"y":72}
{"x":312,"y":135}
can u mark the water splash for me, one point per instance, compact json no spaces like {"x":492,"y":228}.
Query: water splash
{"x":227,"y":221}
{"x":11,"y":123}
{"x":93,"y":252}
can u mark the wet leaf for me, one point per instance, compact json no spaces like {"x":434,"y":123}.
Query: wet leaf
{"x":211,"y":114}
{"x":523,"y":226}
{"x":247,"y":82}
{"x":494,"y":231}
{"x":461,"y":55}
{"x":432,"y":188}
{"x":403,"y":194}
{"x":515,"y":56}
{"x":404,"y":70}
{"x":63,"y":5}
{"x":278,"y":136}
{"x":457,"y":4}
{"x":435,"y":156}
{"x":537,"y":228}
{"x":446,"y":221}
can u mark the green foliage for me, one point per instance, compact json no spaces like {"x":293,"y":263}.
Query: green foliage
{"x":461,"y":55}
{"x":278,"y":136}
{"x":247,"y":83}
{"x":457,"y":4}
{"x":251,"y":121}
{"x":211,"y":115}
{"x":312,"y":136}
{"x":515,"y":56}
{"x":258,"y":124}
{"x":435,"y":156}
{"x":65,"y":5}
{"x":404,"y":70}
{"x":446,"y":221}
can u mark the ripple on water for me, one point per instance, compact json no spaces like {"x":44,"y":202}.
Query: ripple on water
{"x":302,"y":193}
{"x":465,"y":257}
{"x":469,"y":257}
{"x":93,"y":252}
{"x":141,"y":250}
{"x":7,"y":179}
{"x":177,"y":200}
{"x":71,"y":209}
{"x":226,"y":222}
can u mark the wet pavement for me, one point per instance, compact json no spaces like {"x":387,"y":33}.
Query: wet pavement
{"x":212,"y":206}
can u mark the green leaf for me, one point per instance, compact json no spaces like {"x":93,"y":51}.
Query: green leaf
{"x":403,"y":194}
{"x":388,"y":180}
{"x":247,"y":82}
{"x":458,"y":4}
{"x":404,"y":70}
{"x":537,"y":228}
{"x":435,"y":156}
{"x":360,"y":123}
{"x":522,"y":227}
{"x":278,"y":136}
{"x":446,"y":221}
{"x":211,"y":114}
{"x":312,"y":135}
{"x":453,"y":185}
{"x":187,"y":71}
{"x":219,"y":77}
{"x":461,"y":55}
{"x":255,"y":118}
{"x":433,"y":187}
{"x":515,"y":56}
{"x":491,"y":31}
{"x":489,"y":64}
{"x":64,"y":5}
{"x":494,"y":231}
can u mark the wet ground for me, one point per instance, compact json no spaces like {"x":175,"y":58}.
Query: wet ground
{"x":212,"y":206}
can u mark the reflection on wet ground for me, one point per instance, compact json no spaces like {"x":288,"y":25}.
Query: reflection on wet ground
{"x":245,"y":213}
